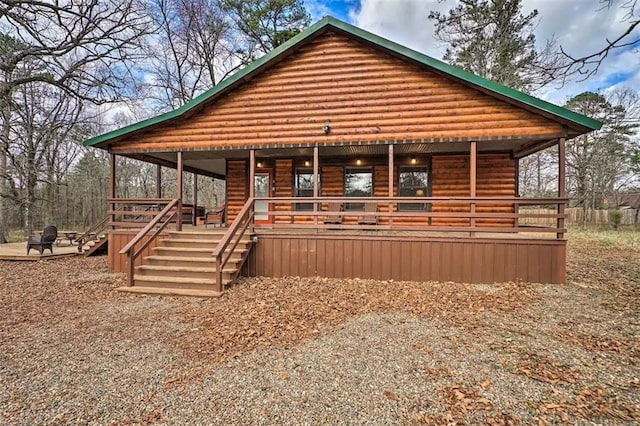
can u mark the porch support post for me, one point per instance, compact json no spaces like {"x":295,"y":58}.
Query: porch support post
{"x":112,"y":184}
{"x":473,"y":169}
{"x":316,"y":158}
{"x":252,"y":172}
{"x":390,"y":183}
{"x":179,"y":190}
{"x":562,"y":185}
{"x":158,"y":180}
{"x":194,"y":215}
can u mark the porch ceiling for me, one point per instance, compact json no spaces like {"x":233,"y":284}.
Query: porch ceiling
{"x":212,"y":162}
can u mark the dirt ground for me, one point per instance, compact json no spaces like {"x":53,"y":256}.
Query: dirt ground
{"x":297,"y":350}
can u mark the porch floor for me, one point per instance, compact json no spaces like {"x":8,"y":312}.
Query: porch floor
{"x":18,"y":251}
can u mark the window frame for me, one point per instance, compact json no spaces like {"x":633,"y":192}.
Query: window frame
{"x":414,"y":207}
{"x":297,"y":172}
{"x":359,"y":169}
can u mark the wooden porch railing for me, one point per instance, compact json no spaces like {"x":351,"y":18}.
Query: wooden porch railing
{"x":137,"y":212}
{"x":234,"y":234}
{"x":157,"y":225}
{"x":388,"y":215}
{"x":93,"y":232}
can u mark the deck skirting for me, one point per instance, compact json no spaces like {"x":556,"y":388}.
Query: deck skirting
{"x":439,"y":259}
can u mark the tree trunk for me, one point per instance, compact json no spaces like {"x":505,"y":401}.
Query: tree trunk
{"x":4,"y":143}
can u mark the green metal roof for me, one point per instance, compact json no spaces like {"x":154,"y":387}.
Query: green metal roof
{"x":329,"y":22}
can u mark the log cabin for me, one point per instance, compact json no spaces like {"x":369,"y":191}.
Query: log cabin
{"x":344,"y":155}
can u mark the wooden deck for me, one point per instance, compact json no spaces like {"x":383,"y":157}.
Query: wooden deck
{"x":18,"y":252}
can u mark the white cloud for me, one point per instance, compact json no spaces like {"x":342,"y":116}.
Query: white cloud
{"x":317,"y":9}
{"x":581,"y":27}
{"x":402,"y":21}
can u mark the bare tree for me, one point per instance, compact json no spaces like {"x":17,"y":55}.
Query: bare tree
{"x":599,"y":164}
{"x":568,"y":66}
{"x":43,"y":121}
{"x":190,"y":51}
{"x":82,"y":48}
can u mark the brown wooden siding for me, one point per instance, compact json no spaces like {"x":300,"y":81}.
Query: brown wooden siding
{"x":283,"y":187}
{"x":364,"y":94}
{"x":117,"y":240}
{"x":496,"y":176}
{"x":450,"y":178}
{"x":237,"y":195}
{"x":458,"y":260}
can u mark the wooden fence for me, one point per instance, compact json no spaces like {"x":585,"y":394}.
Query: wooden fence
{"x":574,"y":216}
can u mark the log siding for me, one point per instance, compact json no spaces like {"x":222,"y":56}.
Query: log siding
{"x":449,"y":177}
{"x":363,"y":94}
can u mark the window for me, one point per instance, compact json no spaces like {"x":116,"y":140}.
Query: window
{"x":413,"y":182}
{"x":303,"y":187}
{"x":358,"y":182}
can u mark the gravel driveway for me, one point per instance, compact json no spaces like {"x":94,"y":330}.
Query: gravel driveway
{"x":295,"y":351}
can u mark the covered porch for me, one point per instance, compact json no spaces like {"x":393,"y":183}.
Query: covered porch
{"x":346,"y":211}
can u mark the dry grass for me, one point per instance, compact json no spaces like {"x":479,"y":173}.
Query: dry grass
{"x":499,"y":354}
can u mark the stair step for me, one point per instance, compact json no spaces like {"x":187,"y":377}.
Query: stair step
{"x":169,"y":272}
{"x":195,"y":269}
{"x":176,"y":282}
{"x":197,"y":243}
{"x":201,"y":240}
{"x":170,"y":291}
{"x":191,"y":251}
{"x":208,"y":234}
{"x":205,"y":262}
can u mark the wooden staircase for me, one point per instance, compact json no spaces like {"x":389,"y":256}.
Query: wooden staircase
{"x":95,"y":247}
{"x":183,"y":264}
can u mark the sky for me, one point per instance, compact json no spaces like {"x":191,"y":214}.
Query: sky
{"x":580,"y":26}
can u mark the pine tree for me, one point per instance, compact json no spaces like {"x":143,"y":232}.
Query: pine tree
{"x":492,"y":39}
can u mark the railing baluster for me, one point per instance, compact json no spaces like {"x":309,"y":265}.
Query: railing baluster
{"x":241,"y":223}
{"x":510,"y":217}
{"x":130,"y":248}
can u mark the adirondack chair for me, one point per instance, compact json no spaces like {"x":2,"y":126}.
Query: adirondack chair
{"x":369,"y":220}
{"x":215,"y":216}
{"x":46,"y":240}
{"x":333,"y":219}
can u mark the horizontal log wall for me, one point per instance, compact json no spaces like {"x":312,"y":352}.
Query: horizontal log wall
{"x":117,"y":240}
{"x":458,"y":260}
{"x":496,"y":176}
{"x":363,"y":93}
{"x":449,"y":178}
{"x":283,"y":187}
{"x":237,"y":195}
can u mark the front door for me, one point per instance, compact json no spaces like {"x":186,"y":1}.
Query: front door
{"x":262,"y":188}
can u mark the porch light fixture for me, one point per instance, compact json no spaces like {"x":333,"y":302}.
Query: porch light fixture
{"x":413,"y":160}
{"x":326,"y":128}
{"x":259,"y":164}
{"x":359,"y":162}
{"x":307,"y":163}
{"x":420,"y":192}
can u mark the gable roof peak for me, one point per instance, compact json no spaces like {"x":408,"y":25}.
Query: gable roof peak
{"x":566,"y":116}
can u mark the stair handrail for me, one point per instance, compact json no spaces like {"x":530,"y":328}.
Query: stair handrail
{"x":95,"y":230}
{"x":240,"y":224}
{"x":129,"y":248}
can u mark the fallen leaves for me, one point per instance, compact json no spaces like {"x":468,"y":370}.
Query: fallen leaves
{"x":601,"y":343}
{"x":461,"y":402}
{"x":280,"y":311}
{"x":544,"y":369}
{"x":591,"y":403}
{"x":550,"y":342}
